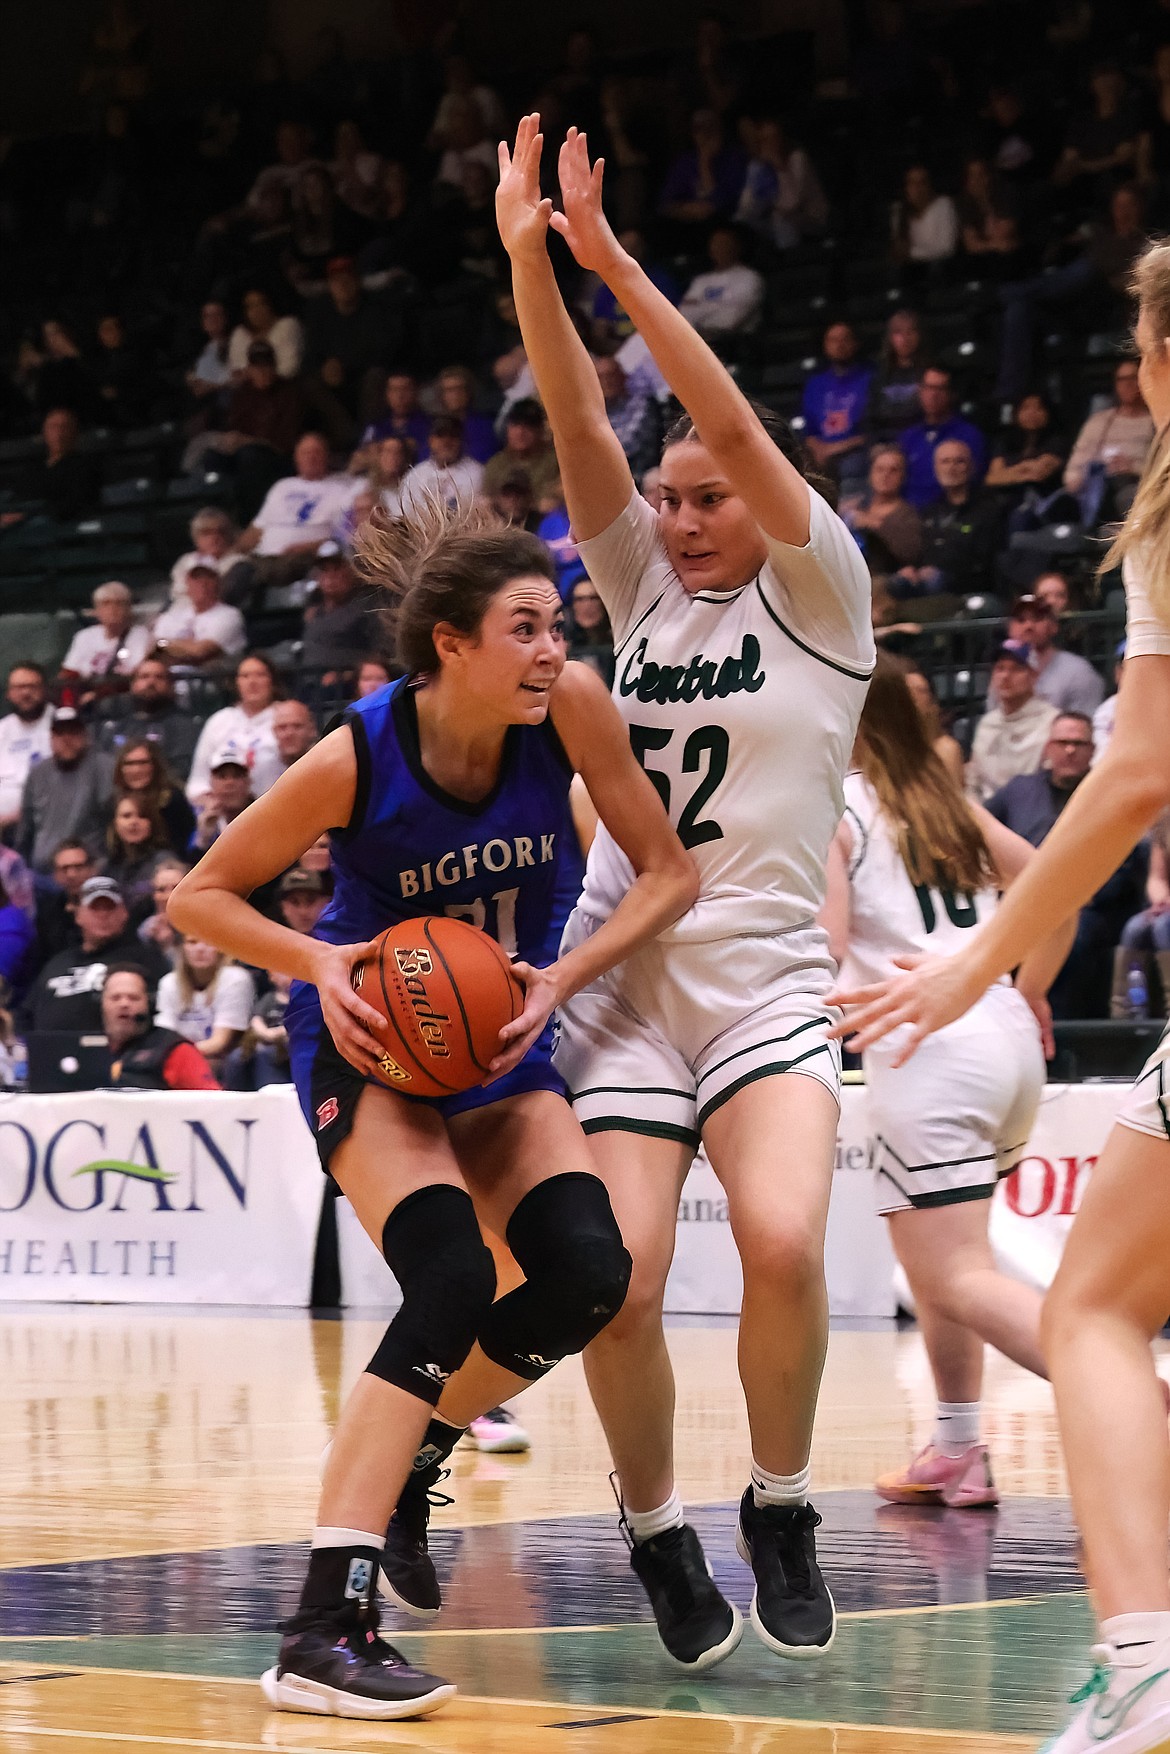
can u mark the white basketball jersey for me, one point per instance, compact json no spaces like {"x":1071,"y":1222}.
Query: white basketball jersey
{"x":742,"y":707}
{"x":889,"y":915}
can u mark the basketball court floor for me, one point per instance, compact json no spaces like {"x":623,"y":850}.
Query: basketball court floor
{"x":158,"y":1471}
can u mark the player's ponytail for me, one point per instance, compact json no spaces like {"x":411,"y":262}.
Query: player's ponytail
{"x":1145,"y":535}
{"x":782,"y":435}
{"x":439,"y":565}
{"x":938,"y":839}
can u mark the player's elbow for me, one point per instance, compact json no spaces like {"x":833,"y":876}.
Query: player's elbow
{"x":681,"y":879}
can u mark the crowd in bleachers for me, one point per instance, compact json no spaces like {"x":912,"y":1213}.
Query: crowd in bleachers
{"x":229,"y":332}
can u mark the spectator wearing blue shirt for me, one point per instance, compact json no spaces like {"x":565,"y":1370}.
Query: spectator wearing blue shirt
{"x":834,"y":406}
{"x":703,"y":184}
{"x":455,"y":388}
{"x":939,"y":422}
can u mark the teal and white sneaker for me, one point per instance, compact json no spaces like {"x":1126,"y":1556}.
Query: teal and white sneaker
{"x":1125,"y":1706}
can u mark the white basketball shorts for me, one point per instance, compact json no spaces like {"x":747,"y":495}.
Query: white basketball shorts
{"x":665,"y":1039}
{"x":956,"y":1117}
{"x":1147,"y":1107}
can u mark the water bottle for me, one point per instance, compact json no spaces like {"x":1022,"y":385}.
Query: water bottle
{"x":1136,"y":992}
{"x":18,"y":1056}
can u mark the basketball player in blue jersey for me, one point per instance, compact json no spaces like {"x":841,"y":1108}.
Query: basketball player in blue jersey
{"x":445,"y":792}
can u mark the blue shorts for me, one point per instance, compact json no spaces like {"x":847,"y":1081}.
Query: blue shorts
{"x":328,"y":1087}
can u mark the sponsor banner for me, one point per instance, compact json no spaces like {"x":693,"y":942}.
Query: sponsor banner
{"x":1035,"y":1206}
{"x":175,"y":1197}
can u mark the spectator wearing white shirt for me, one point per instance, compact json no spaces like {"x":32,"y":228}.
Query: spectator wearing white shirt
{"x":284,"y":335}
{"x":1010,"y":737}
{"x":202,"y":631}
{"x":115,"y":646}
{"x":246,"y":727}
{"x":24,"y":735}
{"x":924,"y":226}
{"x":446,"y":475}
{"x":298,"y":514}
{"x":728,"y":299}
{"x":213,"y":535}
{"x":206,"y":998}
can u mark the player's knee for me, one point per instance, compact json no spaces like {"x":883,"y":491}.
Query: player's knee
{"x":782,"y":1253}
{"x":566,"y":1241}
{"x":433,"y":1246}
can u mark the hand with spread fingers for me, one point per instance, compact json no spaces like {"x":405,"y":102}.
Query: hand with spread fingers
{"x":583,"y":224}
{"x":522,"y":214}
{"x":933,"y":992}
{"x":357,"y":1029}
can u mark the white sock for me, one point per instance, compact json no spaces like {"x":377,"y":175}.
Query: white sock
{"x":957,"y":1426}
{"x":645,"y":1524}
{"x":1142,"y":1640}
{"x":780,"y":1488}
{"x":327,"y":1537}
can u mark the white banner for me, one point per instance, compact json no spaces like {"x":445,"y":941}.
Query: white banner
{"x":1033,"y":1209}
{"x":175,"y":1197}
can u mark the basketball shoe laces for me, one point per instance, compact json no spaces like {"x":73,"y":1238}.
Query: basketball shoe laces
{"x":1104,"y":1720}
{"x":786,"y":1526}
{"x":680,"y":1578}
{"x":419,"y":1497}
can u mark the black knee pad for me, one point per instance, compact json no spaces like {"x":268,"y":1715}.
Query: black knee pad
{"x":566,"y":1241}
{"x":434,"y":1249}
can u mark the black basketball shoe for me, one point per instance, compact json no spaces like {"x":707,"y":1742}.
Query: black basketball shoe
{"x":695,"y":1623}
{"x":408,"y":1577}
{"x":792,"y":1609}
{"x":333,"y":1663}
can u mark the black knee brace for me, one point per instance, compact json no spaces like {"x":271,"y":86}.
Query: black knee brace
{"x":434,"y":1249}
{"x":566,"y":1241}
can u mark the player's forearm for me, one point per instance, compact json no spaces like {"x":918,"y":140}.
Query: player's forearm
{"x":563,"y":370}
{"x":654,"y":901}
{"x":224,"y":918}
{"x":699,"y":380}
{"x":1039,"y":969}
{"x":1103,"y":822}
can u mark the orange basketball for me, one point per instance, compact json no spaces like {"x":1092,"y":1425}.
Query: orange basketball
{"x":446,"y":990}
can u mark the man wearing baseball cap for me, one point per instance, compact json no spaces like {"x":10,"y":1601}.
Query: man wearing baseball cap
{"x":1069,"y":682}
{"x":67,"y":992}
{"x":200,"y":630}
{"x":302,"y":896}
{"x":67,"y":797}
{"x":231,"y":793}
{"x":340,"y":627}
{"x":1011,"y":735}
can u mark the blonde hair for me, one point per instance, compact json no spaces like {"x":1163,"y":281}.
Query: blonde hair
{"x":1145,"y":534}
{"x":187,"y":985}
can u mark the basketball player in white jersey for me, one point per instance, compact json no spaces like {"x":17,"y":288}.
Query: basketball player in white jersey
{"x":914,"y":869}
{"x":743,"y":646}
{"x":1112,"y":1289}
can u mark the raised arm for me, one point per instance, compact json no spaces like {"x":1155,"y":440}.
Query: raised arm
{"x":774,"y":491}
{"x":594,"y":471}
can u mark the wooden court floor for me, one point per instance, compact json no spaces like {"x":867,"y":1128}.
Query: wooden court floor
{"x":158,"y":1472}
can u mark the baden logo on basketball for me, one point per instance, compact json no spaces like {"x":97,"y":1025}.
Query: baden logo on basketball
{"x":414,"y":964}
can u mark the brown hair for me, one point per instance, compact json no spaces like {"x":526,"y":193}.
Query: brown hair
{"x":782,"y":436}
{"x":938,"y":839}
{"x":1145,"y":534}
{"x":163,"y":783}
{"x":146,"y":804}
{"x":442,"y":566}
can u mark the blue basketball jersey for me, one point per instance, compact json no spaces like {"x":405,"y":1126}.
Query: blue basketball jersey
{"x":412,"y":849}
